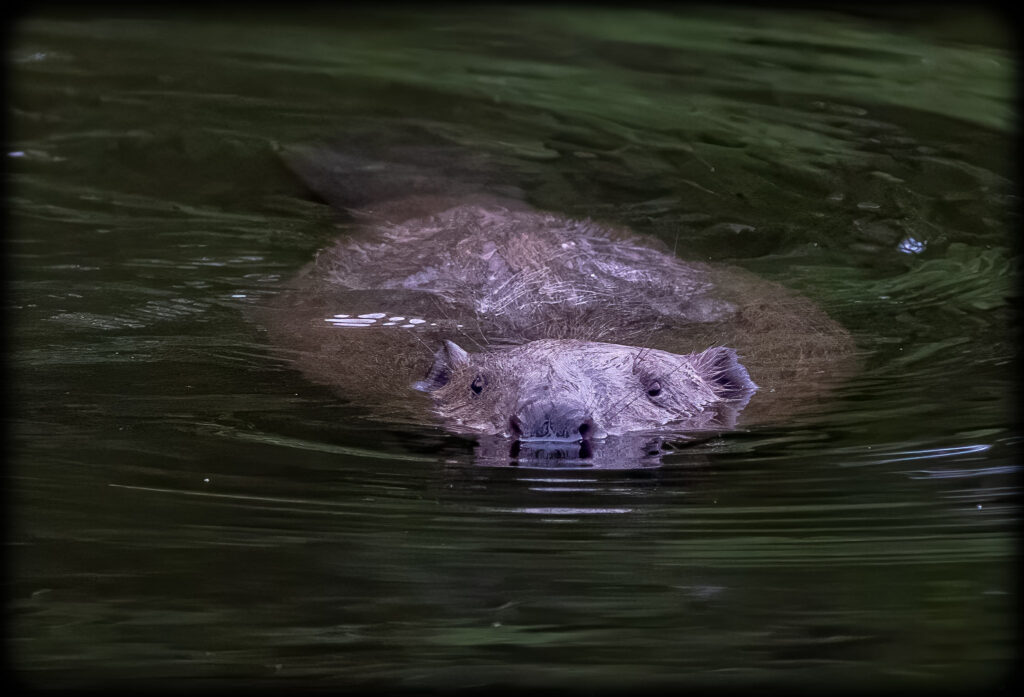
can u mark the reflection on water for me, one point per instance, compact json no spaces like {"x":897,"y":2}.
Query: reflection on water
{"x":185,"y":505}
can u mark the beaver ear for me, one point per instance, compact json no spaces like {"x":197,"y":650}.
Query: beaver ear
{"x":447,"y":358}
{"x":721,"y":368}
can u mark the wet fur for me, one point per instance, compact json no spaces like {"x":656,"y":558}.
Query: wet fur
{"x":510,"y":275}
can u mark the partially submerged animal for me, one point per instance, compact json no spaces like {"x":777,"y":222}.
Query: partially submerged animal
{"x":581,"y":333}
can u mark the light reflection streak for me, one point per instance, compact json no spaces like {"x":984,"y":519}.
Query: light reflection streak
{"x":562,"y":511}
{"x":556,"y":480}
{"x":955,"y":474}
{"x":935,"y":453}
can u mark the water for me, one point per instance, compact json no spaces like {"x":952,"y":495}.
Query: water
{"x":185,"y":507}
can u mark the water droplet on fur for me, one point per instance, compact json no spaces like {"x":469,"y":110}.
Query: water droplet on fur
{"x":350,"y":322}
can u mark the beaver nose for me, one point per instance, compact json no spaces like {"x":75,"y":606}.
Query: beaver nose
{"x":586,"y":428}
{"x":551,"y":422}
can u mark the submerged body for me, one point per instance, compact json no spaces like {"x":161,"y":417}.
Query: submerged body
{"x":576,"y":331}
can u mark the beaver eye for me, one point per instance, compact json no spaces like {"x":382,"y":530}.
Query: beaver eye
{"x":478,"y":384}
{"x":654,"y":389}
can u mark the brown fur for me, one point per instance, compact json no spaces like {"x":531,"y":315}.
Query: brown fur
{"x":509,"y":275}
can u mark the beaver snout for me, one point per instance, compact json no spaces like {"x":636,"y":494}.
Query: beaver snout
{"x":552,"y":422}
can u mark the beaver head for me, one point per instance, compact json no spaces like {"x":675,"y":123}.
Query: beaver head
{"x":563,"y":390}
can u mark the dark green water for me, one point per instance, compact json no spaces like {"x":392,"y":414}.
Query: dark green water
{"x":185,"y":509}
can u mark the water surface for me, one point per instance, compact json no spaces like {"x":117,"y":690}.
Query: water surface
{"x":186,"y":508}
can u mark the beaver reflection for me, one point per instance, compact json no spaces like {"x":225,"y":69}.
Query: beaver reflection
{"x":614,"y":452}
{"x":550,"y":452}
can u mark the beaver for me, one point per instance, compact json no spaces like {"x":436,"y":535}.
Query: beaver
{"x":534,"y":331}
